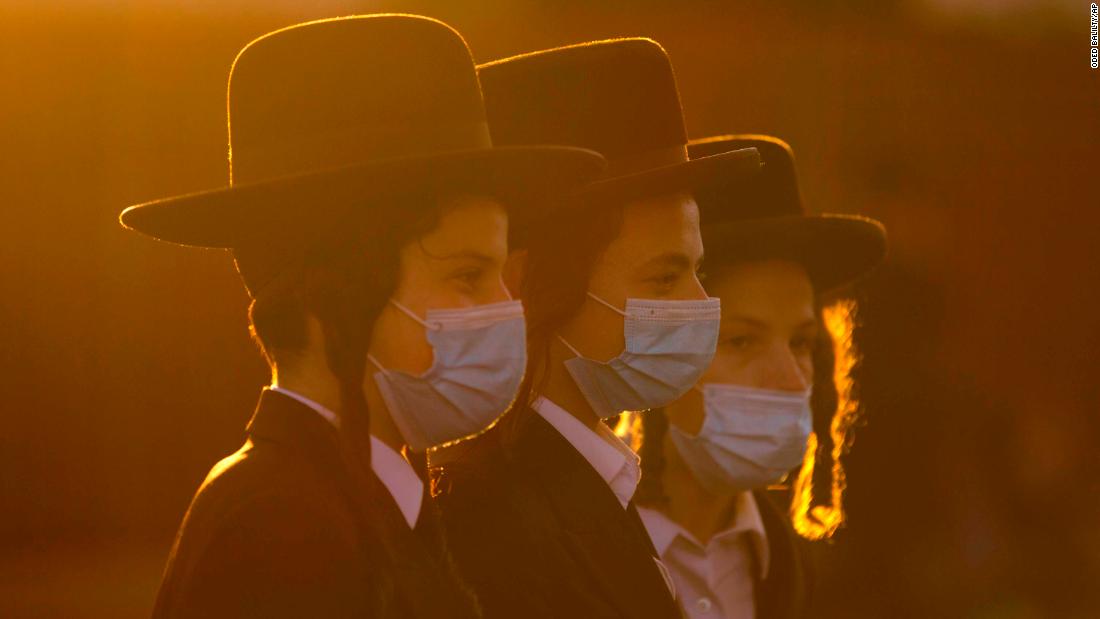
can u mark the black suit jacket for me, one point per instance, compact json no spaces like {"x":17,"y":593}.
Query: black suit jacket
{"x":784,"y":593}
{"x":273,"y":532}
{"x":538,"y":533}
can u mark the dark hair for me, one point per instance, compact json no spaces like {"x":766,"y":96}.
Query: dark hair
{"x":559,"y":263}
{"x":345,"y":282}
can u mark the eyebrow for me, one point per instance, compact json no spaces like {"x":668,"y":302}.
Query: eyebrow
{"x":669,"y":259}
{"x":469,"y":254}
{"x":745,"y":319}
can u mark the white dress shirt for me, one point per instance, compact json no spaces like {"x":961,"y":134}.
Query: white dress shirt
{"x":612,"y":459}
{"x":716,"y":579}
{"x":395,"y":472}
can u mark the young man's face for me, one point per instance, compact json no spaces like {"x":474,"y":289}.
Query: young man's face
{"x":767,"y":334}
{"x":458,"y":264}
{"x":656,"y":256}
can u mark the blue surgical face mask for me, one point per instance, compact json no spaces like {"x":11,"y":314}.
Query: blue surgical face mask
{"x":669,"y":344}
{"x":480,"y":357}
{"x":750,"y":437}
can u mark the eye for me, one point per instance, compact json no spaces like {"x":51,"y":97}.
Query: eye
{"x":665,"y":281}
{"x":803,"y":345}
{"x":469,"y":276}
{"x":739,"y":342}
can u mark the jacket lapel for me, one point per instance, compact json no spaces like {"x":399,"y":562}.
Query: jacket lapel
{"x":782,"y":592}
{"x":599,"y":533}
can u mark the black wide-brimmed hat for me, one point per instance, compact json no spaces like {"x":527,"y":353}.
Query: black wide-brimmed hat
{"x":763,"y":217}
{"x":617,"y":97}
{"x":335,"y":115}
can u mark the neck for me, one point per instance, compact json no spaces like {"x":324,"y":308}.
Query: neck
{"x":559,"y":387}
{"x":307,"y":379}
{"x":700,"y":512}
{"x":382,"y":426}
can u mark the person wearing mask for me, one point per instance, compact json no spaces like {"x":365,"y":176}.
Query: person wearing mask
{"x":367,"y":214}
{"x":539,"y":511}
{"x":708,"y":457}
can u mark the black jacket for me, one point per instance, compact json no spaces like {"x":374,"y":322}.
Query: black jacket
{"x":538,"y":533}
{"x":784,"y":593}
{"x":273,"y":532}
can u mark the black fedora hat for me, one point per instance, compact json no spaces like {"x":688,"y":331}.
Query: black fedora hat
{"x":763,"y":217}
{"x":333,"y":115}
{"x":617,"y":97}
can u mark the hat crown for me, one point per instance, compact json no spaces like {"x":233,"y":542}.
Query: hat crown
{"x":617,"y":97}
{"x":762,"y":218}
{"x":337,"y":92}
{"x":773,"y":192}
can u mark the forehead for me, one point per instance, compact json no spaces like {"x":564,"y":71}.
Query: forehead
{"x":468,"y":223}
{"x":655,"y":226}
{"x":764,"y":290}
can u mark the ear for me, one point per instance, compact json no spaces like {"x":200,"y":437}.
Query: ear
{"x":514,"y":268}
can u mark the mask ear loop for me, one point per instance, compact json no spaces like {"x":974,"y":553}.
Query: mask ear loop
{"x":575,"y":352}
{"x":601,"y":302}
{"x":408,"y":312}
{"x":411,"y":314}
{"x":606,"y":304}
{"x":374,"y":361}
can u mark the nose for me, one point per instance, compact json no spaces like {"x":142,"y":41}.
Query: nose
{"x":501,"y":293}
{"x":695,"y":290}
{"x":784,"y":372}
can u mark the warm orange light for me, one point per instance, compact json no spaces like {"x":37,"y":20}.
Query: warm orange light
{"x":821,"y":521}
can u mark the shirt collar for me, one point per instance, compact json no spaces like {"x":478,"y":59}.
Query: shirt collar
{"x":663,"y":531}
{"x":394,"y":471}
{"x":612,"y":459}
{"x":329,"y":416}
{"x":399,"y":477}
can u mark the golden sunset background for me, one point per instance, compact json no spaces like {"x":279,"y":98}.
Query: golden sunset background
{"x":972,"y":129}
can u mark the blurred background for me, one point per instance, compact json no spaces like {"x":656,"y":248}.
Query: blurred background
{"x":970,"y":127}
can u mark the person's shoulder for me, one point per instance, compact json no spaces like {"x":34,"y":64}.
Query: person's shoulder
{"x":265,"y":468}
{"x":262,"y":532}
{"x":474,"y":486}
{"x":264,"y":486}
{"x":473,"y":473}
{"x":487,"y":505}
{"x":268,"y":554}
{"x":471,"y":456}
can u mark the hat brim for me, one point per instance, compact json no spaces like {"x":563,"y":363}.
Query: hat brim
{"x":686,"y":176}
{"x":233,"y":216}
{"x":835,"y":250}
